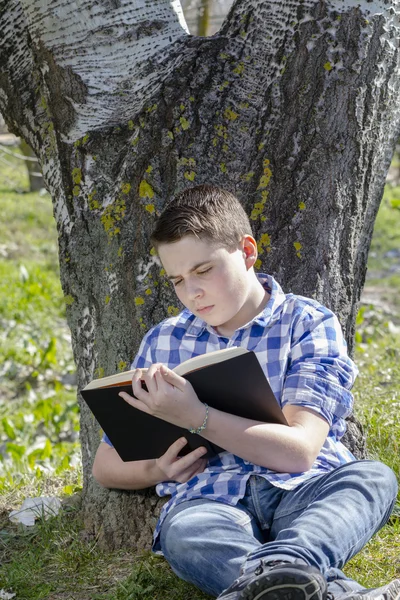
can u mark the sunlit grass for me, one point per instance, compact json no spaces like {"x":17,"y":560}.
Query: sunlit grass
{"x":379,"y":562}
{"x":384,"y":257}
{"x":53,"y":559}
{"x":39,"y":417}
{"x":377,"y":405}
{"x":377,"y":388}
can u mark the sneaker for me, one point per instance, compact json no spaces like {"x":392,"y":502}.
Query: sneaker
{"x":278,"y":580}
{"x":391,"y":591}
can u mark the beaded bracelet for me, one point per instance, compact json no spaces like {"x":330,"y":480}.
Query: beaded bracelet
{"x":204,"y":424}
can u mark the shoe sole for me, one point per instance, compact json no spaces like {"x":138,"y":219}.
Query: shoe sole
{"x":386,"y":592}
{"x":393,"y":591}
{"x":286,"y":585}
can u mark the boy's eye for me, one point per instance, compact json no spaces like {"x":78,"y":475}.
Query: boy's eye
{"x":175,"y":283}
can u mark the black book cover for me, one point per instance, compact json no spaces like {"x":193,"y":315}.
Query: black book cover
{"x":237,"y":386}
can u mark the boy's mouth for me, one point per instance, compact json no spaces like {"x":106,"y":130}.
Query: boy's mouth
{"x":205,"y":309}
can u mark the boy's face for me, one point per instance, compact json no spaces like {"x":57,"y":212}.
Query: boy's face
{"x":213,"y":282}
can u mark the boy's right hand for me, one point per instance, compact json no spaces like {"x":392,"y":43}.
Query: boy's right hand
{"x":181,"y":468}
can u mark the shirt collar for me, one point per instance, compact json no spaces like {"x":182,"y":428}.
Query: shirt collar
{"x":267,"y":316}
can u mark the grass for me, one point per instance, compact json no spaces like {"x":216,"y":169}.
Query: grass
{"x":385,"y":248}
{"x":377,"y":388}
{"x":53,"y":560}
{"x":39,"y":420}
{"x":39,"y":446}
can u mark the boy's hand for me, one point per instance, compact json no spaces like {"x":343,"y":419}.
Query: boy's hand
{"x":175,"y":468}
{"x":168,"y":397}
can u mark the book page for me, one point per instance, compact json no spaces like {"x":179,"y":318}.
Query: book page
{"x":118,"y":379}
{"x":210,"y":358}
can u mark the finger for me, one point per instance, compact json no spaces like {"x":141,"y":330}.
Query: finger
{"x":135,"y":402}
{"x":154,"y":368}
{"x":196,"y":469}
{"x":162,"y":385}
{"x":137,"y":382}
{"x":172,"y":453}
{"x":186,"y":462}
{"x":200,"y":467}
{"x":150,"y":379}
{"x":172,"y":378}
{"x":138,"y":391}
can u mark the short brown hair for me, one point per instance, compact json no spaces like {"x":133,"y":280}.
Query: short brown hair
{"x":205,"y":211}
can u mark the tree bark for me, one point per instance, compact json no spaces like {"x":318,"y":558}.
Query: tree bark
{"x":293,"y":106}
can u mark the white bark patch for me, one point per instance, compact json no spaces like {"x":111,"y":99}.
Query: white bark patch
{"x":85,"y":329}
{"x":51,"y":169}
{"x":90,"y":167}
{"x":112,"y":281}
{"x":117,"y":53}
{"x":360,"y":105}
{"x":51,"y":172}
{"x":144,"y":267}
{"x":88,"y":452}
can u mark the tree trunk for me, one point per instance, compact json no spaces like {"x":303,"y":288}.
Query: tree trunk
{"x":293,"y":106}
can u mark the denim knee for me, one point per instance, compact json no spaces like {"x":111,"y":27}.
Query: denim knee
{"x":173,"y":536}
{"x":194,"y":553}
{"x":379,"y":484}
{"x":381,"y":477}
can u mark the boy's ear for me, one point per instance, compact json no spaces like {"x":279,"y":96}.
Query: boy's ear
{"x":250,"y":251}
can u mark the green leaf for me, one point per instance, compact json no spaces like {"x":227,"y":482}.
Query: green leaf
{"x":395,"y":202}
{"x":15,"y":450}
{"x":65,"y":463}
{"x":8,"y":429}
{"x":50,"y":354}
{"x":34,"y":456}
{"x":360,"y":316}
{"x":47,"y":450}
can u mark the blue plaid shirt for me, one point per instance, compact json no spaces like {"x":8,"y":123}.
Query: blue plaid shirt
{"x":301,"y":349}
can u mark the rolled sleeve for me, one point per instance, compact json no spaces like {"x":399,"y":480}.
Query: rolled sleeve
{"x":320,"y":373}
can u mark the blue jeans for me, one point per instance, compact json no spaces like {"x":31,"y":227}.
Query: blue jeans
{"x":324,"y":522}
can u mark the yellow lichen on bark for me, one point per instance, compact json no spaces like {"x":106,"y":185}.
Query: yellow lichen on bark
{"x":145,"y":189}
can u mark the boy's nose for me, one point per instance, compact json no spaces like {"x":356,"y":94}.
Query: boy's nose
{"x":193,"y":292}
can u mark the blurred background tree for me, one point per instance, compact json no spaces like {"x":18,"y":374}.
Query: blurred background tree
{"x":205,"y":17}
{"x":8,"y":144}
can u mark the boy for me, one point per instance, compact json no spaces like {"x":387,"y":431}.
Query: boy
{"x":284,"y":508}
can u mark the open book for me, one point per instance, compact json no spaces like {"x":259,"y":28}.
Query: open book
{"x":230,"y":380}
{"x":192,"y":364}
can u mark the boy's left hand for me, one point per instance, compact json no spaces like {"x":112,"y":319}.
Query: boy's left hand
{"x":169,"y":397}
